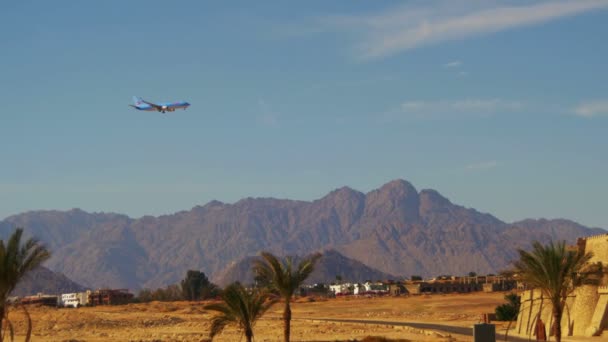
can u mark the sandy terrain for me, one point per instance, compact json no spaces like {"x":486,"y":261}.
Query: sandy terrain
{"x":429,"y":318}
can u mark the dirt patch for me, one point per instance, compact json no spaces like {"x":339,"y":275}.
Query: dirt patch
{"x":185,"y":321}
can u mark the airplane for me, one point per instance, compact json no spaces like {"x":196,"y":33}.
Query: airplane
{"x":141,"y":104}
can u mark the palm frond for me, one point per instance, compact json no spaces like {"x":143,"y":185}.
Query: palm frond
{"x":218,"y":323}
{"x":283,"y":276}
{"x":552,"y":268}
{"x":239,"y":307}
{"x":271,"y":269}
{"x":306,"y":267}
{"x":17,"y":259}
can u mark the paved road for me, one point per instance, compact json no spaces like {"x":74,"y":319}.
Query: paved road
{"x":429,"y":326}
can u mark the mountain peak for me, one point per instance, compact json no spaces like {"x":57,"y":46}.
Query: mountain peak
{"x":343,"y":193}
{"x":398,"y":185}
{"x":213,"y":203}
{"x":397,"y":197}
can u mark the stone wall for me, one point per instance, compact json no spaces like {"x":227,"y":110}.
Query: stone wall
{"x":533,"y":306}
{"x":599,"y":320}
{"x":586,"y":311}
{"x":598,"y":245}
{"x":584,"y":307}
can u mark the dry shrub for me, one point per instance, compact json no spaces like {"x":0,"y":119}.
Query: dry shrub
{"x":166,"y":307}
{"x":382,"y":339}
{"x":305,"y":300}
{"x":193,"y":310}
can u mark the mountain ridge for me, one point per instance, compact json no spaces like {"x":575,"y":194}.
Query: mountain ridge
{"x":394,"y":229}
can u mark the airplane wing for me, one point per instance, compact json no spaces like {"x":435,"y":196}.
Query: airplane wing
{"x":153,"y":105}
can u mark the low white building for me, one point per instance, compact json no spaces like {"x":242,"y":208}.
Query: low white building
{"x":370,"y":288}
{"x":75,"y":300}
{"x":360,"y":289}
{"x":341,"y":289}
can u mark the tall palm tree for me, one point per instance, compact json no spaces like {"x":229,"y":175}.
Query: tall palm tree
{"x":240,"y":307}
{"x":554,"y":269}
{"x":284,"y":279}
{"x":16,"y":260}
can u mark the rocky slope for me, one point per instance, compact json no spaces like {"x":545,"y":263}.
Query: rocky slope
{"x":331,"y":265}
{"x":43,"y":280}
{"x":394,"y":229}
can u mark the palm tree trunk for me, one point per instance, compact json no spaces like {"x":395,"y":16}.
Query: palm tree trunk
{"x":28,"y":335}
{"x":557,"y":322}
{"x":287,"y":321}
{"x":249,"y":334}
{"x":507,"y":332}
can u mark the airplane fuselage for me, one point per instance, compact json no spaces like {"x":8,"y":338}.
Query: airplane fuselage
{"x":164,"y":107}
{"x":160,"y":107}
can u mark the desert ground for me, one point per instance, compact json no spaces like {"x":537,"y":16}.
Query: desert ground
{"x":413,"y":318}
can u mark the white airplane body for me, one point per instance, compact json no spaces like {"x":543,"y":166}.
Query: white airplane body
{"x":141,"y":104}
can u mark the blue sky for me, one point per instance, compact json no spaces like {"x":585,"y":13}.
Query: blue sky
{"x":499,"y":105}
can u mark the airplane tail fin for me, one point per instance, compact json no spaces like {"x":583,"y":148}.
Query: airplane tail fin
{"x":137,"y":100}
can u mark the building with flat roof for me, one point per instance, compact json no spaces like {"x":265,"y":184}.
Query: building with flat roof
{"x":41,"y":299}
{"x":110,"y":296}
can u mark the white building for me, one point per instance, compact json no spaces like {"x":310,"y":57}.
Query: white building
{"x":369,"y":288}
{"x":341,"y":289}
{"x":360,"y":289}
{"x":75,"y":299}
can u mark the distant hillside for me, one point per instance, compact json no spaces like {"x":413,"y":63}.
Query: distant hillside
{"x":395,"y":229}
{"x":43,"y":280}
{"x":330,"y":265}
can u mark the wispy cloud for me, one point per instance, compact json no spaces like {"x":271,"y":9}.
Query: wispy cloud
{"x":412,"y":26}
{"x":592,"y":108}
{"x":483,"y":165}
{"x":452,"y":64}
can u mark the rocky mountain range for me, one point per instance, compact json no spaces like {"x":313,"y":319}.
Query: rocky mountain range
{"x":394,"y":229}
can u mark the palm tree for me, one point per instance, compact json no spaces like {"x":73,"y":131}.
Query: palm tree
{"x":554,"y":269}
{"x":16,"y":260}
{"x":282,"y":278}
{"x":240,"y":307}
